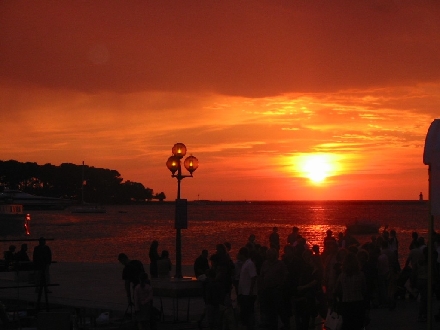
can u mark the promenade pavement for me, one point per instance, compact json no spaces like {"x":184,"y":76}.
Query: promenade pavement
{"x":93,"y":289}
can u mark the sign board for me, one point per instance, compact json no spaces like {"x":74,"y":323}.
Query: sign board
{"x":181,"y":221}
{"x":431,"y":157}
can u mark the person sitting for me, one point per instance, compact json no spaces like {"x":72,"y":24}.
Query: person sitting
{"x":22,"y":254}
{"x":23,"y":262}
{"x":164,"y":265}
{"x":10,"y":257}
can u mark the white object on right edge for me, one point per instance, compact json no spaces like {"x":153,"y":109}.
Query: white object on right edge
{"x":431,"y":157}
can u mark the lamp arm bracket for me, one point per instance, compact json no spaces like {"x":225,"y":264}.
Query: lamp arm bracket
{"x":180,"y":177}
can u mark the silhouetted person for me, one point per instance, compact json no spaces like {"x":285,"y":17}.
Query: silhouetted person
{"x":351,"y":288}
{"x":42,"y":258}
{"x":22,"y":259}
{"x":22,"y":254}
{"x":154,"y":256}
{"x":414,"y":240}
{"x":329,"y":241}
{"x":164,"y":265}
{"x":246,"y":289}
{"x":201,"y":264}
{"x":251,"y":242}
{"x":130,"y":274}
{"x":341,"y":240}
{"x":143,"y":300}
{"x":213,"y":297}
{"x":293,"y":236}
{"x":9,"y":256}
{"x":271,"y":284}
{"x":274,"y":239}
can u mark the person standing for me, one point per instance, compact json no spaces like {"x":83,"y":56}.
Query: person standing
{"x":214,"y":298}
{"x":329,"y":243}
{"x":154,"y":256}
{"x":393,"y":243}
{"x":246,"y":289}
{"x":351,"y":287}
{"x":201,"y":264}
{"x":273,"y":277}
{"x":42,"y":258}
{"x":274,"y":239}
{"x":293,"y":236}
{"x":164,"y":265}
{"x":415,"y":237}
{"x":143,"y":300}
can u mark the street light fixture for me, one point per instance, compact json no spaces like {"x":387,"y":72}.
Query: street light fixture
{"x":174,"y":164}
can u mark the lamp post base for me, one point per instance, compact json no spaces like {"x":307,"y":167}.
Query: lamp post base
{"x":178,"y":254}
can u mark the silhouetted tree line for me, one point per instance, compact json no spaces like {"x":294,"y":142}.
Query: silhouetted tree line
{"x":101,"y":185}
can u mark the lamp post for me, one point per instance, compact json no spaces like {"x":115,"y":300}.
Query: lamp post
{"x":174,"y":164}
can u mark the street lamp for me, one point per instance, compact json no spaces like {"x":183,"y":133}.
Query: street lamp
{"x":174,"y":164}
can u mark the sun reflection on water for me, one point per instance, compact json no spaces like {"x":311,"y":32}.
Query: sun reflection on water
{"x":101,"y":237}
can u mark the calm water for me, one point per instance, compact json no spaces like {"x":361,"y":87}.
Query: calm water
{"x":131,"y":229}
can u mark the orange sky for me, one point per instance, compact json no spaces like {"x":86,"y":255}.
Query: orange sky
{"x":253,"y":88}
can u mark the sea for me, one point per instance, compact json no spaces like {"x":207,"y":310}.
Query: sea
{"x":99,"y":238}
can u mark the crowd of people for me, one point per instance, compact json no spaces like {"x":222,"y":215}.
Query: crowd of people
{"x":160,"y":265}
{"x":39,"y":265}
{"x":273,"y":283}
{"x":267,"y":284}
{"x":138,"y":285}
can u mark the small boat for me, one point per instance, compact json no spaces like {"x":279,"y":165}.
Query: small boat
{"x":87,"y":207}
{"x":363,"y":227}
{"x":13,"y":221}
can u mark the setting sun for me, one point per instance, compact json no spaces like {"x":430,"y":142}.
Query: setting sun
{"x":273,"y":106}
{"x":317,"y":167}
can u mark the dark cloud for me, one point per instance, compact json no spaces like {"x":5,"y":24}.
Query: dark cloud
{"x":245,"y":48}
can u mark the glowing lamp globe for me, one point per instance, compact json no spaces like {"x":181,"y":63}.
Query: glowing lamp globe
{"x":191,"y":164}
{"x":173,"y":163}
{"x":179,"y":150}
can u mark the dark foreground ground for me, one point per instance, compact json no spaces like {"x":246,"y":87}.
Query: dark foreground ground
{"x":91,"y":296}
